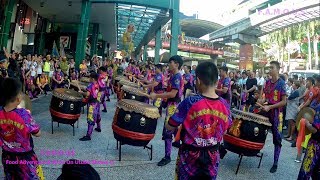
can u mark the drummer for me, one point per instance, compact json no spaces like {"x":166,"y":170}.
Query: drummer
{"x":205,"y":118}
{"x":173,"y":95}
{"x":188,"y":81}
{"x":311,"y":162}
{"x":103,"y":78}
{"x":157,"y":86}
{"x":275,"y":96}
{"x":17,"y":126}
{"x":93,"y":106}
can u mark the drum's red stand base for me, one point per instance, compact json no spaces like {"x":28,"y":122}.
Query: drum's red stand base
{"x":119,"y":144}
{"x":235,"y":143}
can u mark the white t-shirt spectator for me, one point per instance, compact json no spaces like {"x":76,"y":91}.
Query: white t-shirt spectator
{"x":33,"y":71}
{"x":260,"y":81}
{"x":39,"y":69}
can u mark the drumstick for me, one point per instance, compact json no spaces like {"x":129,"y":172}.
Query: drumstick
{"x":259,"y":104}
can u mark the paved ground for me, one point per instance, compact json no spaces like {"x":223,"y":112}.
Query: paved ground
{"x":135,"y":163}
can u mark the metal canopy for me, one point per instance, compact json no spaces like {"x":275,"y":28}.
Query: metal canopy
{"x":288,"y":20}
{"x":142,"y":17}
{"x":267,"y":20}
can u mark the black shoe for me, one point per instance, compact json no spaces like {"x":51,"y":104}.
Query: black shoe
{"x":104,"y":110}
{"x":98,"y":129}
{"x":273,"y":168}
{"x":293,"y":144}
{"x":164,"y":161}
{"x":176,"y":144}
{"x":85,"y":138}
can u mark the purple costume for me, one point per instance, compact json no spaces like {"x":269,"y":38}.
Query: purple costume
{"x":93,"y":111}
{"x":273,"y":93}
{"x":58,"y":76}
{"x":204,"y":121}
{"x":102,"y":90}
{"x":310,"y":166}
{"x":189,"y":78}
{"x":158,"y":89}
{"x":16,"y":128}
{"x":175,"y":82}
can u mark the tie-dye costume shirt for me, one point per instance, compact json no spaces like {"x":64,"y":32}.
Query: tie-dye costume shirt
{"x":16,"y":128}
{"x":160,"y":79}
{"x":225,"y":82}
{"x":204,"y":120}
{"x":93,"y":89}
{"x":102,"y":81}
{"x":189,"y":79}
{"x":274,"y":91}
{"x":175,"y":82}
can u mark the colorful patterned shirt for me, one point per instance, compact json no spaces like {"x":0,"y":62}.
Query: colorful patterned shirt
{"x":102,"y":81}
{"x":274,"y":91}
{"x":160,"y":79}
{"x":93,"y":89}
{"x":16,"y":128}
{"x":189,"y":78}
{"x":176,"y":82}
{"x":58,"y":76}
{"x":225,"y":82}
{"x":204,"y":120}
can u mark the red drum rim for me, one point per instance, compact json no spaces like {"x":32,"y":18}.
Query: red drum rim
{"x":63,"y":115}
{"x":242,"y":143}
{"x":131,"y":134}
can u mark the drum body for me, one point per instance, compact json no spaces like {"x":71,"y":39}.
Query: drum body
{"x":65,"y":106}
{"x":247,"y":134}
{"x":134,"y":94}
{"x":134,"y":123}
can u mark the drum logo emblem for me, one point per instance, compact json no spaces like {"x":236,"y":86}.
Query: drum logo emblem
{"x":142,"y":121}
{"x":127,"y":118}
{"x":61,"y":104}
{"x":256,"y":131}
{"x":71,"y":106}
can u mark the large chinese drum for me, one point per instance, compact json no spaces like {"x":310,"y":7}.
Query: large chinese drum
{"x":65,"y":106}
{"x":247,"y":134}
{"x":134,"y":122}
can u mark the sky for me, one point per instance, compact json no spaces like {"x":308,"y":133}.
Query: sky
{"x":207,"y":9}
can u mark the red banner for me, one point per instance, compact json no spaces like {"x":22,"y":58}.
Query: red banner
{"x":189,"y":48}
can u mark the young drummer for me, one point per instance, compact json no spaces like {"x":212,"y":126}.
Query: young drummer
{"x":93,"y":107}
{"x":157,"y":85}
{"x":205,"y":118}
{"x":188,"y":80}
{"x":275,"y":96}
{"x":311,"y":162}
{"x":17,"y":128}
{"x":102,"y":81}
{"x":173,"y":95}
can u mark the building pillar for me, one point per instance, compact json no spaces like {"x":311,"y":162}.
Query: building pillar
{"x":158,"y":46}
{"x":103,"y":50}
{"x":246,"y":57}
{"x":83,"y":32}
{"x":174,"y":40}
{"x":42,"y":37}
{"x":4,"y":34}
{"x":95,"y":34}
{"x":145,"y":53}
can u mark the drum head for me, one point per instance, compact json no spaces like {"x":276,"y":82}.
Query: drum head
{"x":251,"y":117}
{"x":139,"y":107}
{"x":118,"y":78}
{"x":307,"y":113}
{"x":134,"y":91}
{"x":129,"y":83}
{"x":67,"y":94}
{"x":25,"y":103}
